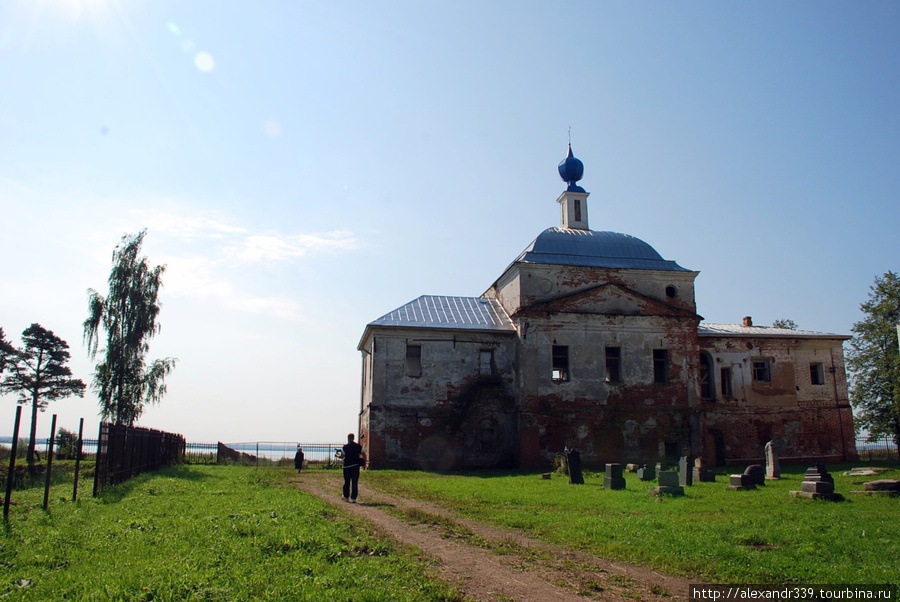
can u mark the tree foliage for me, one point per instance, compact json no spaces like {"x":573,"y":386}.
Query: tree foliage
{"x":66,"y":445}
{"x":786,"y":323}
{"x":38,"y":373}
{"x":874,"y":360}
{"x":128,"y":316}
{"x":7,"y":351}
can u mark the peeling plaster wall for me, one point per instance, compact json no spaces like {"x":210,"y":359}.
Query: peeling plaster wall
{"x":808,"y":422}
{"x":452,"y":416}
{"x":524,"y":284}
{"x":635,"y":420}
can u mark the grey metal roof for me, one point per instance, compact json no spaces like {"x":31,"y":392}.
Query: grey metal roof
{"x":568,"y":246}
{"x":762,"y":331}
{"x":465,"y":313}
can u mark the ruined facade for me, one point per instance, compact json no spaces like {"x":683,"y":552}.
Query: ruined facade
{"x":591,"y":340}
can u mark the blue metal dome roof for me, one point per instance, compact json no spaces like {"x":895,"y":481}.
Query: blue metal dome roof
{"x":571,"y":169}
{"x":565,"y":246}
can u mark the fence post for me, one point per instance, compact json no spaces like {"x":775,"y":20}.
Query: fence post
{"x":97,"y":460}
{"x":11,"y":475}
{"x":49,"y":461}
{"x":77,"y":458}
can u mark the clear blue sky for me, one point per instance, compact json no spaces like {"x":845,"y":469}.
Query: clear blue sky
{"x":303,"y":168}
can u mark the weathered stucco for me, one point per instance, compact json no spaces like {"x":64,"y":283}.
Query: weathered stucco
{"x":600,"y":348}
{"x":808,"y":421}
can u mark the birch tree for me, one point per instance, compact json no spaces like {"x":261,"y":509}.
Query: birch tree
{"x":126,"y":319}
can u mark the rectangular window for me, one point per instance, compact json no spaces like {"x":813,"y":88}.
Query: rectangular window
{"x":660,"y":365}
{"x":816,"y":374}
{"x":560,"y":363}
{"x":725,"y":377}
{"x":414,"y":360}
{"x":762,"y":371}
{"x":577,"y":210}
{"x":613,"y":364}
{"x":486,"y":362}
{"x":706,"y":381}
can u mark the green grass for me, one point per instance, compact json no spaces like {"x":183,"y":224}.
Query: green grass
{"x":202,"y":533}
{"x":762,"y":536}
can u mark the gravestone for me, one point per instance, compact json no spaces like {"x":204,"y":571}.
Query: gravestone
{"x":741,"y":481}
{"x":614,"y":479}
{"x":701,"y":474}
{"x":646,"y":473}
{"x":573,"y":463}
{"x":668,"y":483}
{"x":817,"y":484}
{"x":757,"y":474}
{"x":773,"y":468}
{"x":685,"y":471}
{"x":883,"y":487}
{"x":668,"y":478}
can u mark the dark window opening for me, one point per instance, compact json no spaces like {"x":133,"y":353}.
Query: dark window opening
{"x":660,"y":365}
{"x":486,"y":362}
{"x":413,"y":360}
{"x":725,"y":378}
{"x":671,"y":292}
{"x":560,"y":363}
{"x":817,"y":374}
{"x":762,"y":371}
{"x":706,"y":384}
{"x":577,"y":210}
{"x":613,"y":364}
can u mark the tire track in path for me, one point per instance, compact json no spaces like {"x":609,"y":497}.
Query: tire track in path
{"x":527,"y":569}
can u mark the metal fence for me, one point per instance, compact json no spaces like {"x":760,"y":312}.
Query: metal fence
{"x":124,"y":452}
{"x":881,"y":449}
{"x":197,"y":452}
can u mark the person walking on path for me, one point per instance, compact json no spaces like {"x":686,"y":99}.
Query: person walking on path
{"x":354,"y":459}
{"x":298,"y":458}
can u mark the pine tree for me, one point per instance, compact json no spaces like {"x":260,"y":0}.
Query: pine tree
{"x":38,"y":373}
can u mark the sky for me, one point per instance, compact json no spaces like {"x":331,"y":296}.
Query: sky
{"x":303,"y":168}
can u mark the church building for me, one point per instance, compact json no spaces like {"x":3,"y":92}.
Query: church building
{"x":591,"y":340}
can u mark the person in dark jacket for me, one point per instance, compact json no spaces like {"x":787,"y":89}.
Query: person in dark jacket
{"x":354,"y":459}
{"x":298,"y":458}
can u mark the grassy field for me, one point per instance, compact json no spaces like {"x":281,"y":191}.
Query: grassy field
{"x":201,"y":533}
{"x":764,"y":536}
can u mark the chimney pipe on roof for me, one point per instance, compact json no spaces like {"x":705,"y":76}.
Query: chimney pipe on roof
{"x":748,"y":321}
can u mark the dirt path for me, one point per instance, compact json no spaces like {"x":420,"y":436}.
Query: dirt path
{"x":494,"y":564}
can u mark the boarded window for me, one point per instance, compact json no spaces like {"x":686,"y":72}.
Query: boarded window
{"x":660,"y":365}
{"x":762,"y":370}
{"x":613,"y":364}
{"x":816,"y":374}
{"x":560,"y":363}
{"x":486,"y":362}
{"x":414,"y":360}
{"x":725,"y":378}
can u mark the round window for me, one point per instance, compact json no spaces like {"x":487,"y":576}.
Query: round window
{"x":671,"y":292}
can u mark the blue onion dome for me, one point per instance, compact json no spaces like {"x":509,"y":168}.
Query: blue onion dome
{"x":571,"y":170}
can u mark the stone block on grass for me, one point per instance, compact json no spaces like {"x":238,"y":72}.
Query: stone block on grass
{"x":613,"y":478}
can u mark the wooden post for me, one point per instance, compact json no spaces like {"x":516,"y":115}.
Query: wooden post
{"x":49,"y":461}
{"x":78,"y":458}
{"x":11,"y":475}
